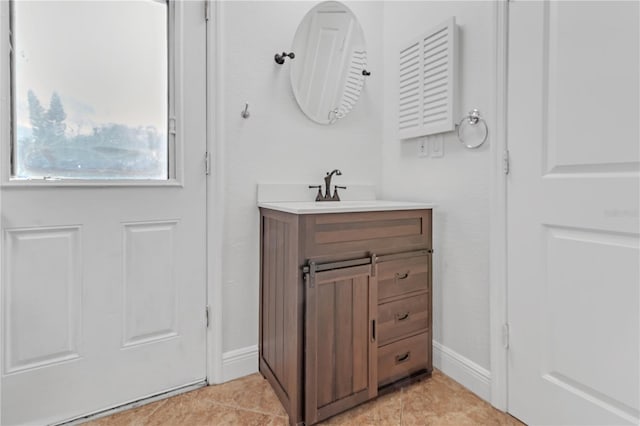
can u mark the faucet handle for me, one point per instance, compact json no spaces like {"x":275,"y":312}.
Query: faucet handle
{"x":336,"y":197}
{"x":319,"y":194}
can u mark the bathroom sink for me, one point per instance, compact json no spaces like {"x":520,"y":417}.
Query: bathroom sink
{"x":314,"y":207}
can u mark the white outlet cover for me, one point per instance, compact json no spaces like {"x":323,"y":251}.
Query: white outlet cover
{"x":437,"y":146}
{"x":423,"y":148}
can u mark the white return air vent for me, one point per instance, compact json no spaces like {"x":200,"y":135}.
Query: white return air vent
{"x":428,"y":82}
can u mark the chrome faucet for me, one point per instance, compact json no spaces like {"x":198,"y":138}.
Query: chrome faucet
{"x":327,"y":188}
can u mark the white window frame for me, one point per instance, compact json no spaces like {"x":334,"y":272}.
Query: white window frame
{"x":175,"y":139}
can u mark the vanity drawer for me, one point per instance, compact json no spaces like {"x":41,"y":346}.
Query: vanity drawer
{"x":403,"y":276}
{"x":402,"y":358}
{"x":365,"y":233}
{"x":402,"y":318}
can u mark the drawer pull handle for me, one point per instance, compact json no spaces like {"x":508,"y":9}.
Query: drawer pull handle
{"x":402,"y":317}
{"x":402,"y":276}
{"x":403,"y":357}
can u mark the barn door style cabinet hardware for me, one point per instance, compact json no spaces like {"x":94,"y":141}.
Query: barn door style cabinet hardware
{"x":345,"y":307}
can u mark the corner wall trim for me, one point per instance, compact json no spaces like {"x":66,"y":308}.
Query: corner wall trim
{"x":239,"y":363}
{"x":464,"y":371}
{"x":216,"y":190}
{"x":498,"y":312}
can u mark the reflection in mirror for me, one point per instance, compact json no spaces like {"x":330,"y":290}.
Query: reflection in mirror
{"x":327,"y":74}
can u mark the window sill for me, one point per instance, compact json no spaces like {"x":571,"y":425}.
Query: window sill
{"x":81,"y":183}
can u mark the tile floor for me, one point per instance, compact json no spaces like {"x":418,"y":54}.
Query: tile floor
{"x":250,"y":401}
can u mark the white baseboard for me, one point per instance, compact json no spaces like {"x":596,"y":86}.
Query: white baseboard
{"x":464,"y":371}
{"x":239,"y":363}
{"x":244,"y":361}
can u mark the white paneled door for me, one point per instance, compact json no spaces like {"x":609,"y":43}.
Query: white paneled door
{"x":103,"y":282}
{"x":573,"y":221}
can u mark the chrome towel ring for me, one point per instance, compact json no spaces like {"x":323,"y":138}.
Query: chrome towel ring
{"x":473,"y":118}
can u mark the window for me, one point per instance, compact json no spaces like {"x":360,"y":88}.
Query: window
{"x":90,"y":90}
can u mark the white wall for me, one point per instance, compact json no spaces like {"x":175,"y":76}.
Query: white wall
{"x":278,"y":143}
{"x":457,"y":182}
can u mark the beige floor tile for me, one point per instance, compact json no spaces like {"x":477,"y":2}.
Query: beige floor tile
{"x":250,"y":401}
{"x":206,"y":414}
{"x":252,"y":393}
{"x":389,"y":409}
{"x":133,"y":417}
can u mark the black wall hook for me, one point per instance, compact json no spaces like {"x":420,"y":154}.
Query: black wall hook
{"x":366,"y":73}
{"x":280,"y":57}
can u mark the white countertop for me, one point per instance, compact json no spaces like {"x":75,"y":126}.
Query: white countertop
{"x":315,"y":207}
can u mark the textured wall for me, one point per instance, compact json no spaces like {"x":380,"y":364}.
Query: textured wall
{"x":278,"y":143}
{"x":457,"y":182}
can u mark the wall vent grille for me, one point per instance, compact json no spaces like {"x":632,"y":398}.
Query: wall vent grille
{"x":427,"y":86}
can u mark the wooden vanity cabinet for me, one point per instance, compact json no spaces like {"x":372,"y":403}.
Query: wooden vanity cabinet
{"x":345,"y":306}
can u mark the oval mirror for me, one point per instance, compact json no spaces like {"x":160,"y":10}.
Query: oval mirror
{"x":327,"y":73}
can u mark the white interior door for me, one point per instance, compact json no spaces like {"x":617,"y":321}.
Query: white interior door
{"x":103,"y":267}
{"x":573,"y":221}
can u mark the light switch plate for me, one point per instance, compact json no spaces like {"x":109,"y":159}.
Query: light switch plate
{"x":437,"y":146}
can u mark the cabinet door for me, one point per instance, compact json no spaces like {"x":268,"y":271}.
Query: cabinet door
{"x":341,"y":351}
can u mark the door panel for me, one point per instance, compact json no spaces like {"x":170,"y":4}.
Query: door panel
{"x":573,"y":222}
{"x":149,"y":282}
{"x":340,"y":348}
{"x":578,"y":279}
{"x":44,"y":277}
{"x":596,"y":59}
{"x":103,"y":287}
